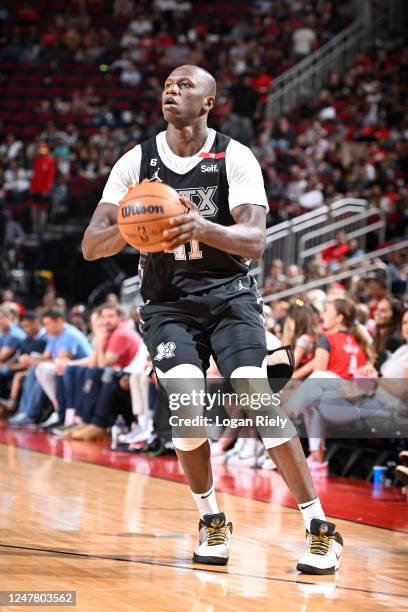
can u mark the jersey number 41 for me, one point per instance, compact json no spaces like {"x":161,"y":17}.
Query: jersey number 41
{"x":194,"y":253}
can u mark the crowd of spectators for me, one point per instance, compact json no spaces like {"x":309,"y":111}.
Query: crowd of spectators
{"x":349,"y":141}
{"x":85,"y":79}
{"x":75,"y":373}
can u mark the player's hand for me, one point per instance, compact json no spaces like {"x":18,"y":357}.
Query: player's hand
{"x":190,"y":226}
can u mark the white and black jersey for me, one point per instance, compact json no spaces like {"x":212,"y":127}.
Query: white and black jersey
{"x":222,"y":175}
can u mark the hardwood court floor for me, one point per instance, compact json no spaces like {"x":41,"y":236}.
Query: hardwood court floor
{"x":123,"y":541}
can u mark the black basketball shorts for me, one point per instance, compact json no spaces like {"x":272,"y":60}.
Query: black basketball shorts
{"x":225,"y":322}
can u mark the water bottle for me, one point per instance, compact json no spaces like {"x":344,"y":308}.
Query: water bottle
{"x":119,"y":427}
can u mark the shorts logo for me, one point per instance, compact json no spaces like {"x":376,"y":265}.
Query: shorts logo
{"x":165,"y":350}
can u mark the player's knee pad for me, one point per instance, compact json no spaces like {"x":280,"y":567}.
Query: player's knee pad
{"x":247,"y":372}
{"x":188,"y":444}
{"x":261,"y":402}
{"x":181,"y":371}
{"x":180,"y":382}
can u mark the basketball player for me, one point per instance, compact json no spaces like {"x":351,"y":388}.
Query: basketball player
{"x":198,"y":296}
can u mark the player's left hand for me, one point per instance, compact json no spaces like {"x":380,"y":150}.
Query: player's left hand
{"x":190,"y":226}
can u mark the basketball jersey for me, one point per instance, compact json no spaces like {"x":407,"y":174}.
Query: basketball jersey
{"x":194,"y":268}
{"x":346,"y":354}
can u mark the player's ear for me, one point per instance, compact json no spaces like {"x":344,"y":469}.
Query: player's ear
{"x":209,"y":103}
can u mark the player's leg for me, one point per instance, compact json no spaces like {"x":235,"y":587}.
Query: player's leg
{"x":180,"y":356}
{"x":244,"y":362}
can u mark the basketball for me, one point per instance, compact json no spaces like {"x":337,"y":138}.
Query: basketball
{"x":144,"y":214}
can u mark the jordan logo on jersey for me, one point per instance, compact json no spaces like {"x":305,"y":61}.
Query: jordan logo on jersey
{"x":203,"y":198}
{"x":155,"y":176}
{"x":165,"y":350}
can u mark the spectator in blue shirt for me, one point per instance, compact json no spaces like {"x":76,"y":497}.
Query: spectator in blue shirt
{"x":30,"y":349}
{"x":11,"y":335}
{"x":64,"y":342}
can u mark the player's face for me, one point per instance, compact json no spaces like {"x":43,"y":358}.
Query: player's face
{"x":183,"y":97}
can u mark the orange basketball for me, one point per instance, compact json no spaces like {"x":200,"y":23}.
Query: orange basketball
{"x":144,"y":214}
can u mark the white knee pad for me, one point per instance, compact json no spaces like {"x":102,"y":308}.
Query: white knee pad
{"x":188,"y":377}
{"x":188,"y":444}
{"x":250,"y":371}
{"x":182,"y":371}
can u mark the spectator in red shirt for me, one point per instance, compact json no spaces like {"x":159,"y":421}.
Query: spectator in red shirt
{"x":44,"y":171}
{"x":115,"y":343}
{"x":336,"y":251}
{"x":340,"y":352}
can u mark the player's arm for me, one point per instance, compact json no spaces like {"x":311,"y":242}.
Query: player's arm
{"x":245,"y":238}
{"x":102,"y":237}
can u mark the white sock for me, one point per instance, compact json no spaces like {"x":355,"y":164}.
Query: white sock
{"x":310,"y":510}
{"x":206,"y":502}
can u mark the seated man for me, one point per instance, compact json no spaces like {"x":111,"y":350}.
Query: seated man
{"x":11,"y":338}
{"x":30,"y":349}
{"x":115,"y":347}
{"x":64,"y":342}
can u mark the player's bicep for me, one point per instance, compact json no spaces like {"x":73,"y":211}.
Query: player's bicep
{"x":245,"y":180}
{"x":250,"y":215}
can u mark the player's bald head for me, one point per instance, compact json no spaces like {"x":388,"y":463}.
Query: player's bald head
{"x":200,"y":75}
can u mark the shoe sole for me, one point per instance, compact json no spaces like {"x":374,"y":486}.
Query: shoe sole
{"x":210,"y":560}
{"x":309,"y":569}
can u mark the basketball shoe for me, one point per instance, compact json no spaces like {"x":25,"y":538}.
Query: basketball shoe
{"x":323,"y":549}
{"x":214,"y":537}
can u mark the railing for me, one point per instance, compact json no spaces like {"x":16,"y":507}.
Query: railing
{"x":283,"y":239}
{"x":130,"y":292}
{"x":359,"y":267}
{"x":355,"y":227}
{"x":308,"y":76}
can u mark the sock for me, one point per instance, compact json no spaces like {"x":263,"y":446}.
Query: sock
{"x":206,"y":502}
{"x":310,"y":510}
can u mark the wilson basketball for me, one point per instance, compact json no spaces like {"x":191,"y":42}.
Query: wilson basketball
{"x":144,"y":214}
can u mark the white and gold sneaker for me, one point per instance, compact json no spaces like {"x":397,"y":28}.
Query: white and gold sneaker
{"x":214,"y":538}
{"x":323,"y":549}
